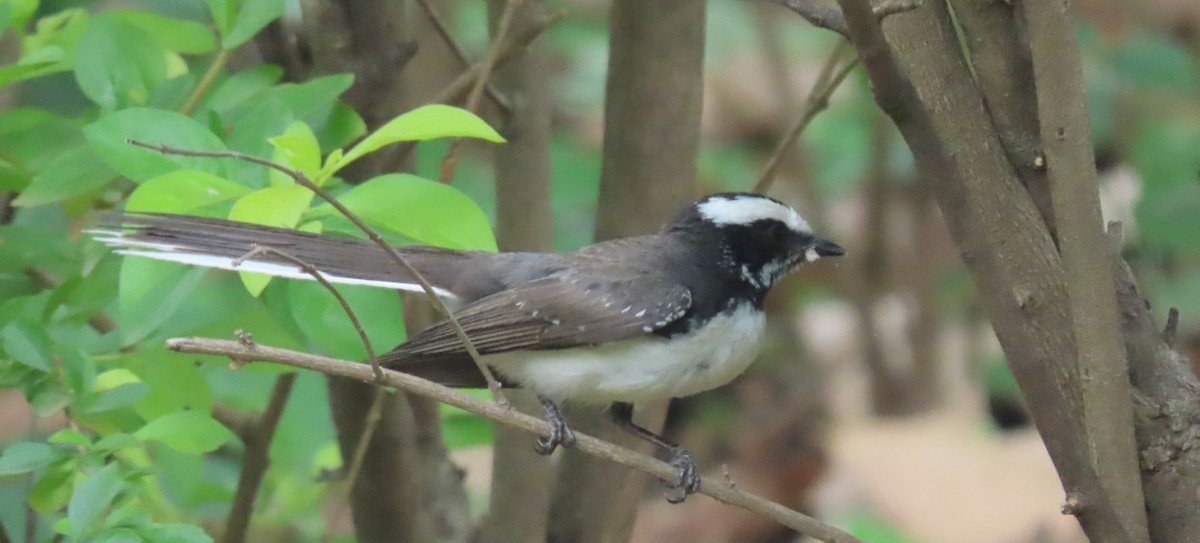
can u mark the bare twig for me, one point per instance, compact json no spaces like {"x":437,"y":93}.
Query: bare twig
{"x":829,"y":18}
{"x":439,"y":25}
{"x":450,"y":163}
{"x":257,"y":459}
{"x":818,"y":99}
{"x":458,"y":88}
{"x":304,"y":181}
{"x":712,"y":486}
{"x":320,"y":278}
{"x":238,"y":422}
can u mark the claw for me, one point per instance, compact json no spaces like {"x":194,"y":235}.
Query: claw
{"x":687,"y":476}
{"x":560,"y":434}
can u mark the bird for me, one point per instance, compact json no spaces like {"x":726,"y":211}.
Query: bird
{"x":615,"y":323}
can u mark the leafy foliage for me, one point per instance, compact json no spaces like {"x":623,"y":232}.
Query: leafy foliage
{"x":140,"y":424}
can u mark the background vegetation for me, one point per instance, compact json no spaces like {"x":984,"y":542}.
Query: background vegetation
{"x":610,"y":125}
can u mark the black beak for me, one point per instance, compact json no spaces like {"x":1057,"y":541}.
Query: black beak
{"x":827,"y":248}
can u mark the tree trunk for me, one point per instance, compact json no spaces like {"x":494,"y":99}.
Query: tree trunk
{"x":521,"y":478}
{"x":652,"y":129}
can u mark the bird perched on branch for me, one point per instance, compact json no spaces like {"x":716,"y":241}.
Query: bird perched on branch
{"x":618,"y":322}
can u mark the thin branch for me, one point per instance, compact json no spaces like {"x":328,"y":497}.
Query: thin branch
{"x":457,"y":89}
{"x":439,"y":25}
{"x":315,"y":274}
{"x":712,"y":486}
{"x":206,"y":81}
{"x":304,"y":181}
{"x":818,"y":99}
{"x":257,"y":460}
{"x":1104,"y":387}
{"x":829,"y":18}
{"x":237,"y":421}
{"x":450,"y":163}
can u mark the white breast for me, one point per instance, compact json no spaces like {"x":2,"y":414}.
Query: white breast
{"x":642,"y":369}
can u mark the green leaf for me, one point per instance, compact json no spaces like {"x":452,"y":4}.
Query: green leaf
{"x":110,"y":137}
{"x":238,"y":88}
{"x":174,"y":385}
{"x":179,"y":35}
{"x":75,"y":171}
{"x":70,"y":436}
{"x":28,"y":343}
{"x":174,"y":533}
{"x":115,"y":398}
{"x":52,"y":490}
{"x":150,"y":292}
{"x":92,"y":497}
{"x":186,"y":431}
{"x":424,"y":123}
{"x":324,"y":322}
{"x":118,"y":535}
{"x":183,"y":191}
{"x":223,"y":12}
{"x":26,"y":457}
{"x":299,"y":148}
{"x":419,"y":209}
{"x":117,"y":63}
{"x":37,"y":62}
{"x":252,"y":17}
{"x":272,"y":206}
{"x":310,"y":97}
{"x":119,"y":440}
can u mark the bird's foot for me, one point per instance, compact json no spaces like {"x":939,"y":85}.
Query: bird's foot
{"x":560,"y":433}
{"x":687,"y":476}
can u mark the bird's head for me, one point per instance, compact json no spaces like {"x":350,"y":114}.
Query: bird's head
{"x":760,"y":238}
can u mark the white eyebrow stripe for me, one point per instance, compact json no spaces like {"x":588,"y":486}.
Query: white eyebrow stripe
{"x":746,"y":210}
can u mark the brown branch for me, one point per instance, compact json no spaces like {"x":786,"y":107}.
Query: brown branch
{"x":439,"y":26}
{"x":305,"y":182}
{"x":1104,"y":389}
{"x":450,"y":163}
{"x":237,"y":421}
{"x":822,"y":16}
{"x":320,"y":278}
{"x":712,"y":486}
{"x":351,"y":471}
{"x":457,"y":89}
{"x":818,"y":99}
{"x":257,"y":460}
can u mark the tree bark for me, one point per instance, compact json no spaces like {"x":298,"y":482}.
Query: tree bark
{"x":521,"y":478}
{"x":652,"y":126}
{"x":1048,"y":304}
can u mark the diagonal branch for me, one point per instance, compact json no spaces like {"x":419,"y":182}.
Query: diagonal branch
{"x":257,"y":439}
{"x":307,"y":183}
{"x":830,"y":18}
{"x":818,"y":99}
{"x":439,"y":25}
{"x":713,"y":486}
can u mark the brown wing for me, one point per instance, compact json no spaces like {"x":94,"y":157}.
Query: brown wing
{"x":561,"y":311}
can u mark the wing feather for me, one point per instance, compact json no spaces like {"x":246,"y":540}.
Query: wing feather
{"x":569,"y":309}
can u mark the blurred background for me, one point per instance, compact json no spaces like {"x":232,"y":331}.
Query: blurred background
{"x":882,"y":402}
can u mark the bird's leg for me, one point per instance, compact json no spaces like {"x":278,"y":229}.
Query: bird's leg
{"x":687,"y":477}
{"x":560,"y":433}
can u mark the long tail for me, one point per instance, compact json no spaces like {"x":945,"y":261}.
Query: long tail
{"x":229,"y":245}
